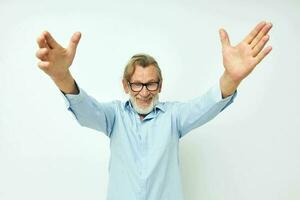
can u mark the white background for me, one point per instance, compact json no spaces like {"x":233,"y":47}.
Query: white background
{"x":250,"y":151}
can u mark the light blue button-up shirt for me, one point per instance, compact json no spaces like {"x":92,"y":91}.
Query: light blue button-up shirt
{"x":144,"y":161}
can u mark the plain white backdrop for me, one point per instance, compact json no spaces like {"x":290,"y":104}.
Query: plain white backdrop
{"x":250,"y":151}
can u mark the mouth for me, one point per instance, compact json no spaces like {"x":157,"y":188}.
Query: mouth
{"x":144,"y":105}
{"x":144,"y":102}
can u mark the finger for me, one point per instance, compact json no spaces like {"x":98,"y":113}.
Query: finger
{"x":74,"y":43}
{"x":260,"y":45}
{"x":262,"y":54}
{"x":261,"y":34}
{"x":248,"y":39}
{"x":51,"y":41}
{"x":44,"y":65}
{"x":42,"y":42}
{"x":224,"y":38}
{"x":42,"y":53}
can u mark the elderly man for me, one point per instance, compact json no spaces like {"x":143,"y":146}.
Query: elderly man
{"x":144,"y":132}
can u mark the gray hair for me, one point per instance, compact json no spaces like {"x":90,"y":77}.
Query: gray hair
{"x":143,"y":60}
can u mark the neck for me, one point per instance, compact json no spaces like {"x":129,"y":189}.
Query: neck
{"x":142,"y":116}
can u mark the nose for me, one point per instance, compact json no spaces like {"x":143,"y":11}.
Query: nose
{"x":144,"y":92}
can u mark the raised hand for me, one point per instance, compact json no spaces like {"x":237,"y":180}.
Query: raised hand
{"x":240,"y":60}
{"x":54,"y":59}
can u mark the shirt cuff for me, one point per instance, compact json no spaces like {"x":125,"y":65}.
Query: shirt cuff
{"x":73,"y":99}
{"x":217,"y":94}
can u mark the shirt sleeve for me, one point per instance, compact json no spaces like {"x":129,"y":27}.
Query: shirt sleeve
{"x":198,"y":111}
{"x":90,"y":113}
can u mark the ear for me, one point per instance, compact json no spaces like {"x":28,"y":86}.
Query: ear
{"x":125,"y":86}
{"x":160,"y":86}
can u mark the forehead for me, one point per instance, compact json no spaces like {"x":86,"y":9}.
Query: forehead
{"x":144,"y":74}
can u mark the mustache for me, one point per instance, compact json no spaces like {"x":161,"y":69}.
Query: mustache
{"x":142,"y":98}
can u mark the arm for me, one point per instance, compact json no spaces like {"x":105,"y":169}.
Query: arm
{"x":55,"y":61}
{"x":90,"y":113}
{"x":194,"y":113}
{"x":240,"y":60}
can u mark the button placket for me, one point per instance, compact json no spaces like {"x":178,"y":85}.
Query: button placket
{"x":143,"y":153}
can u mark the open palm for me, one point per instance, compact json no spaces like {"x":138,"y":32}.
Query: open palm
{"x":240,"y":60}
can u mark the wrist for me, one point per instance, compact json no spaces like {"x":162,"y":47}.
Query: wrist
{"x":66,"y":84}
{"x":63,"y":77}
{"x":227,"y":85}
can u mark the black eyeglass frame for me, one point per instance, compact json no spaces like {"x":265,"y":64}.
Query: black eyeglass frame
{"x":144,"y":84}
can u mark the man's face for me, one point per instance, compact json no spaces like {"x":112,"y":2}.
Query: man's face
{"x":144,"y":100}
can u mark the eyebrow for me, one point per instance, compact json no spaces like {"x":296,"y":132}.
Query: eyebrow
{"x":149,"y":81}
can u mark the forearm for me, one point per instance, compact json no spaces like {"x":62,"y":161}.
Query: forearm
{"x":227,"y":85}
{"x":66,"y":84}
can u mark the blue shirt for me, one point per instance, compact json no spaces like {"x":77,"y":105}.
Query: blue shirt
{"x":144,"y":161}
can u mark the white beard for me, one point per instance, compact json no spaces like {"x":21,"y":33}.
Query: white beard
{"x":144,"y":111}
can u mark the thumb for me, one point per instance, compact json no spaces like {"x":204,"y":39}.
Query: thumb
{"x":224,"y":38}
{"x":74,"y":43}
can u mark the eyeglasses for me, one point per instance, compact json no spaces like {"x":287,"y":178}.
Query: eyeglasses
{"x":137,"y":87}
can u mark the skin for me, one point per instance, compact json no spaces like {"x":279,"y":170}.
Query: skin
{"x":56,"y":60}
{"x":238,"y":61}
{"x":143,"y":75}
